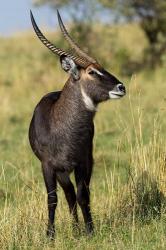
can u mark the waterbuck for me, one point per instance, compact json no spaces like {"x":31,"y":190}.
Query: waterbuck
{"x":61,"y":131}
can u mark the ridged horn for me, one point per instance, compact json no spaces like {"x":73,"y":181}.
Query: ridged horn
{"x":73,"y":44}
{"x":78,"y":60}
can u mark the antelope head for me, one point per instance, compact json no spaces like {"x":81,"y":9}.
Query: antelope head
{"x":96,"y":83}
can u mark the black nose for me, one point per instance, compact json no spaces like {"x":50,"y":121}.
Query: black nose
{"x":121,"y":87}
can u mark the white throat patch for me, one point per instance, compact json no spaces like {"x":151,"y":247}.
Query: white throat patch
{"x":87,"y":101}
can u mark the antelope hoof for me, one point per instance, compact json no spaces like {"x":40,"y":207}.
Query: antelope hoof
{"x":51,"y":232}
{"x":90,"y":229}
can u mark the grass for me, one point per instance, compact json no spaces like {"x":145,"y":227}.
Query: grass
{"x":129,"y":152}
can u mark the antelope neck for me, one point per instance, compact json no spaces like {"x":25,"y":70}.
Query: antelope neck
{"x":74,"y":104}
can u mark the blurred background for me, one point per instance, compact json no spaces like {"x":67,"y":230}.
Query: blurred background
{"x":148,"y":17}
{"x":128,"y":37}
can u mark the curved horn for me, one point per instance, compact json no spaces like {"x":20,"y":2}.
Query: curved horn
{"x":80,"y":61}
{"x":72,"y":43}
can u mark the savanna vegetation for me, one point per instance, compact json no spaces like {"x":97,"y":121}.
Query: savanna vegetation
{"x":128,"y":186}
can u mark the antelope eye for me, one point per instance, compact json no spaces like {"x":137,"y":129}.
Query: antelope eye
{"x":91,"y":72}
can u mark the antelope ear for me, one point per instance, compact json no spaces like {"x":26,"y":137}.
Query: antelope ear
{"x":69,"y":66}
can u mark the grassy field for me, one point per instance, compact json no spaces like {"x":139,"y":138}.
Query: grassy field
{"x":128,"y":186}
